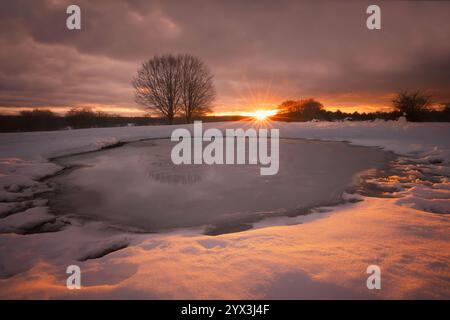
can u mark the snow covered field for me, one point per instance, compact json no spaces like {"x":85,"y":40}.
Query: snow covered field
{"x":401,"y":225}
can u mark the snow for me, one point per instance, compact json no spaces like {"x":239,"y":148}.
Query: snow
{"x":23,"y":222}
{"x":102,"y":248}
{"x":401,"y":224}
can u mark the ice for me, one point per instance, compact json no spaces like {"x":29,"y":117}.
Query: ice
{"x":137,"y":185}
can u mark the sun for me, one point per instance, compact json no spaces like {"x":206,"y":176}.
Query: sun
{"x":263,"y":114}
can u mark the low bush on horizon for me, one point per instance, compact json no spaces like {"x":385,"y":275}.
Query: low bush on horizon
{"x":416,"y":106}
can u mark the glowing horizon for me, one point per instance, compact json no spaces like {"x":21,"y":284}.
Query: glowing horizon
{"x":251,"y":111}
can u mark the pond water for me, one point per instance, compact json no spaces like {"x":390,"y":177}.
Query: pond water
{"x":137,"y":185}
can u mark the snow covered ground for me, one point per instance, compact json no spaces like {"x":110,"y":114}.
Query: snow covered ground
{"x":401,"y":225}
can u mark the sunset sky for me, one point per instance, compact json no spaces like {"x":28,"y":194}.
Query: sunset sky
{"x":261,"y":52}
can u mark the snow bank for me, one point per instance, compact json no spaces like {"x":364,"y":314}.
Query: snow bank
{"x":424,"y":139}
{"x":25,"y":221}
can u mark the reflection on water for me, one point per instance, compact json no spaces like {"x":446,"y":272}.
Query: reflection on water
{"x":166,"y":172}
{"x":173,"y":178}
{"x":138,"y":185}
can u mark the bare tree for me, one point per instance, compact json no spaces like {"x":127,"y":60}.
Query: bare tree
{"x":197,"y":89}
{"x":158,"y":85}
{"x":172,"y":84}
{"x":414,"y":104}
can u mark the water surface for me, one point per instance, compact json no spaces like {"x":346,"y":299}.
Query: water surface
{"x":137,"y":185}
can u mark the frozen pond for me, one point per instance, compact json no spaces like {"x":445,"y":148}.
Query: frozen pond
{"x":137,"y":185}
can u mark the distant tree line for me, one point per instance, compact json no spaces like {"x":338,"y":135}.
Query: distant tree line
{"x":416,"y":106}
{"x":76,"y":118}
{"x":79,"y":118}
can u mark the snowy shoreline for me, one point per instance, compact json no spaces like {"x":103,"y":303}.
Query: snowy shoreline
{"x":420,"y":183}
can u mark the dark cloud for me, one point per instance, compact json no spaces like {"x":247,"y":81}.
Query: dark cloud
{"x":260,"y":51}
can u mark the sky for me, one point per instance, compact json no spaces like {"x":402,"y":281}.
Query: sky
{"x":260,"y":52}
